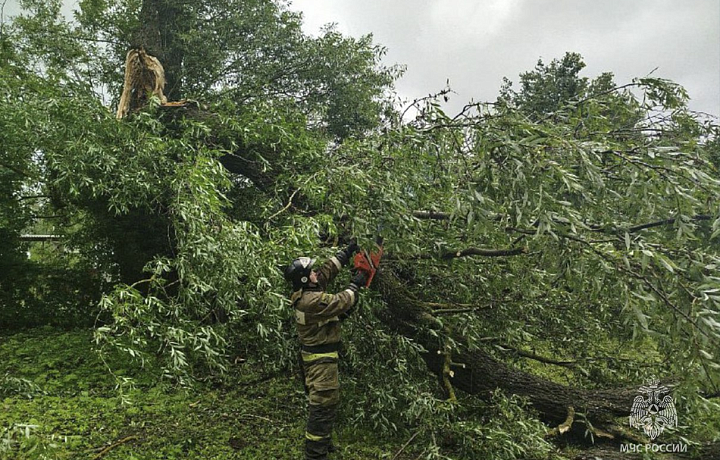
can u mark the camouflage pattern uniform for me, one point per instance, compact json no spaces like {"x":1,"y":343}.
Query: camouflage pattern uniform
{"x":318,"y":315}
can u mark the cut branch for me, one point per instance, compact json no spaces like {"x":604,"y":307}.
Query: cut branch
{"x":564,"y":427}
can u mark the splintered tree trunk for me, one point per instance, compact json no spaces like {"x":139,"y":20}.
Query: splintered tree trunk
{"x":476,"y":372}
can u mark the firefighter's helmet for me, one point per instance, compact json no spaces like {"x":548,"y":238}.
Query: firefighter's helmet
{"x":298,"y":272}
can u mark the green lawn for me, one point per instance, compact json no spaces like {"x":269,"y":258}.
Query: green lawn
{"x":59,"y":401}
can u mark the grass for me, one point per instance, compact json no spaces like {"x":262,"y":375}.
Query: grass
{"x":58,"y":401}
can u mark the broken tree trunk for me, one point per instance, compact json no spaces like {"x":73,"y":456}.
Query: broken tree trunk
{"x":476,"y":372}
{"x":144,"y":77}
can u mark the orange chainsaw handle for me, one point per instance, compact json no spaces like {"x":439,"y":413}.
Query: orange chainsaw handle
{"x":369,"y":262}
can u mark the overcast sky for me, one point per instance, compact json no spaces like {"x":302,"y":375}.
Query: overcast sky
{"x":475,"y":43}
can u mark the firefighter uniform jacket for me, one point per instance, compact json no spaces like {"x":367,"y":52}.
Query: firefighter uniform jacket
{"x":317,"y":313}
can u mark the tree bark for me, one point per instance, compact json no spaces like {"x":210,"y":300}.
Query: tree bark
{"x":476,"y":372}
{"x":158,"y":34}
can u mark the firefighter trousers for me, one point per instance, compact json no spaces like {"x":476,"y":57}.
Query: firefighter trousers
{"x":323,"y":389}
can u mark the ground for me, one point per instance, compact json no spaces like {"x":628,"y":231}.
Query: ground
{"x":59,"y":401}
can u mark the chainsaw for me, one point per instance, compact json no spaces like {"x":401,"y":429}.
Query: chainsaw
{"x":369,"y":262}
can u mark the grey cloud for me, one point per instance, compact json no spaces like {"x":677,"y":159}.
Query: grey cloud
{"x":475,"y":44}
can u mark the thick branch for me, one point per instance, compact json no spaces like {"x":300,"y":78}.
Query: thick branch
{"x":539,"y":358}
{"x":660,"y":223}
{"x":432,"y":215}
{"x":439,"y":215}
{"x":40,"y":238}
{"x":16,"y":170}
{"x":483,"y":374}
{"x":249,"y":162}
{"x":484,"y":252}
{"x":448,"y":255}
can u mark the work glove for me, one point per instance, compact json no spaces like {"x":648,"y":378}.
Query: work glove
{"x":346,"y":254}
{"x":358,"y":280}
{"x":352,"y":248}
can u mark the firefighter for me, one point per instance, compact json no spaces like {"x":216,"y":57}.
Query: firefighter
{"x":318,"y":315}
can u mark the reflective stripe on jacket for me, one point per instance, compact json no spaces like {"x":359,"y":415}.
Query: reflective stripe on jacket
{"x":316,"y":312}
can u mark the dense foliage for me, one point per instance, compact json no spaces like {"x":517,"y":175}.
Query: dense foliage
{"x":603,"y":197}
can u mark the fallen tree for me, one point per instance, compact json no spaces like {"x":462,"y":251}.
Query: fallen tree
{"x":476,"y":372}
{"x":469,"y":369}
{"x":564,"y":211}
